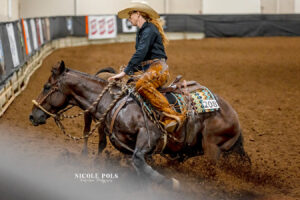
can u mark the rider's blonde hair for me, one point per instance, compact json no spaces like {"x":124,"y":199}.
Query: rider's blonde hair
{"x":159,"y":25}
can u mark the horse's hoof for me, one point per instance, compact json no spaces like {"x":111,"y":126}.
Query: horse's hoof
{"x":176,"y":184}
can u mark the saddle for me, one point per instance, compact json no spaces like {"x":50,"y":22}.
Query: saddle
{"x":177,"y":87}
{"x":181,"y":93}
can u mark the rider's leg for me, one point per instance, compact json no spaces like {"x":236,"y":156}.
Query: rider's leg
{"x":153,"y":78}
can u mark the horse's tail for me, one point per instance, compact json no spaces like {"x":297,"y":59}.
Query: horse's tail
{"x":106,"y":69}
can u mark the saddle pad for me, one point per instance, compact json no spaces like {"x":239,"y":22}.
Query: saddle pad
{"x":202,"y":101}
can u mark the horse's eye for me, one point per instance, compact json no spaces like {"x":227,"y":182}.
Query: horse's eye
{"x":47,"y":86}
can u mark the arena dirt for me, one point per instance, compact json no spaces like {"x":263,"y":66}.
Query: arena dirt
{"x":259,"y":77}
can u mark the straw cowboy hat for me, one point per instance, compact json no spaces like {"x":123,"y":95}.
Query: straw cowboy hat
{"x":142,"y":7}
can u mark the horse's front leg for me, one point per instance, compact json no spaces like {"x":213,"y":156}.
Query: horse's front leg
{"x":141,"y":149}
{"x":102,"y":139}
{"x":86,"y":130}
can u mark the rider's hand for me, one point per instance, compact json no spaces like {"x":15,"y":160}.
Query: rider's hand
{"x":118,"y":76}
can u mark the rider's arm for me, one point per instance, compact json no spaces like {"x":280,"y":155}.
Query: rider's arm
{"x":145,"y":42}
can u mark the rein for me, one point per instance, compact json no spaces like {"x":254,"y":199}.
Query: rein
{"x":60,"y":116}
{"x":101,"y":119}
{"x":43,"y":109}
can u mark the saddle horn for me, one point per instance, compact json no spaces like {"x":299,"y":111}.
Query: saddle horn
{"x":177,"y":79}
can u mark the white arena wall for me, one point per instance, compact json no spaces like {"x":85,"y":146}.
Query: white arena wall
{"x":297,"y":6}
{"x":11,"y":10}
{"x":231,"y":7}
{"x":40,"y":8}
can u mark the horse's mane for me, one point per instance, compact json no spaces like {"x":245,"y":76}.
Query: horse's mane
{"x":87,"y":76}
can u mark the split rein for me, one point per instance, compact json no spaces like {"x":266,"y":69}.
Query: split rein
{"x":60,"y":116}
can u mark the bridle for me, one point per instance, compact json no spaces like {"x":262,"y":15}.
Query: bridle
{"x":38,"y":103}
{"x":58,"y":117}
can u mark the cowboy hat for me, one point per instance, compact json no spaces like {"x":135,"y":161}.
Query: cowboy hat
{"x":142,"y":7}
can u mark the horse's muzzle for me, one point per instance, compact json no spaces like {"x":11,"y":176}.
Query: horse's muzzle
{"x":35,"y":122}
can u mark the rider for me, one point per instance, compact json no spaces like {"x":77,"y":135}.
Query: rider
{"x":150,"y":58}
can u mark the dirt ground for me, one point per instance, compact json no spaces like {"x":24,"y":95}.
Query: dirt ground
{"x":259,"y":77}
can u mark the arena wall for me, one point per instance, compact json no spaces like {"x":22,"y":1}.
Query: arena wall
{"x":231,"y":7}
{"x":9,"y":10}
{"x":16,"y":76}
{"x":45,"y":34}
{"x":42,"y":8}
{"x":38,"y":8}
{"x":285,"y":6}
{"x":297,"y":6}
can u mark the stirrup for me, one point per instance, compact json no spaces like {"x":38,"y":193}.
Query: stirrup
{"x":179,"y":122}
{"x":172,"y":127}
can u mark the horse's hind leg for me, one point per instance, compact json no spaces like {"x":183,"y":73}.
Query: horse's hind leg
{"x":211,"y":150}
{"x":211,"y":139}
{"x":86,"y":130}
{"x":142,"y":168}
{"x":238,"y":148}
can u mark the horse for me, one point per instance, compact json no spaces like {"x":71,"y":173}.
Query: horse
{"x":213,"y":133}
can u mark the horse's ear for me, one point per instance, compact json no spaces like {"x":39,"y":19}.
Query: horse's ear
{"x":62,"y":67}
{"x":58,"y":68}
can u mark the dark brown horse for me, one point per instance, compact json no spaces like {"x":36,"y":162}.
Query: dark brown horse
{"x":210,"y":133}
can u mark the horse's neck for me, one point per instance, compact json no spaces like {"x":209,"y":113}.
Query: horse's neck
{"x":84,"y":90}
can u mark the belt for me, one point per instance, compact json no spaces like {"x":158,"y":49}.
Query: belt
{"x":147,"y":62}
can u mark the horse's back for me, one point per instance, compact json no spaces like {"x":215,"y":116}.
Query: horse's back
{"x":230,"y":115}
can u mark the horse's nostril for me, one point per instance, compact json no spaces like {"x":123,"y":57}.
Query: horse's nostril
{"x":31,"y":117}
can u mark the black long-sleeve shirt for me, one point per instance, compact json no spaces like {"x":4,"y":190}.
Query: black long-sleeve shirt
{"x":148,"y":46}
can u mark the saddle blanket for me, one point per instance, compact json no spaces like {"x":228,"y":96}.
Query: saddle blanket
{"x":203,"y":101}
